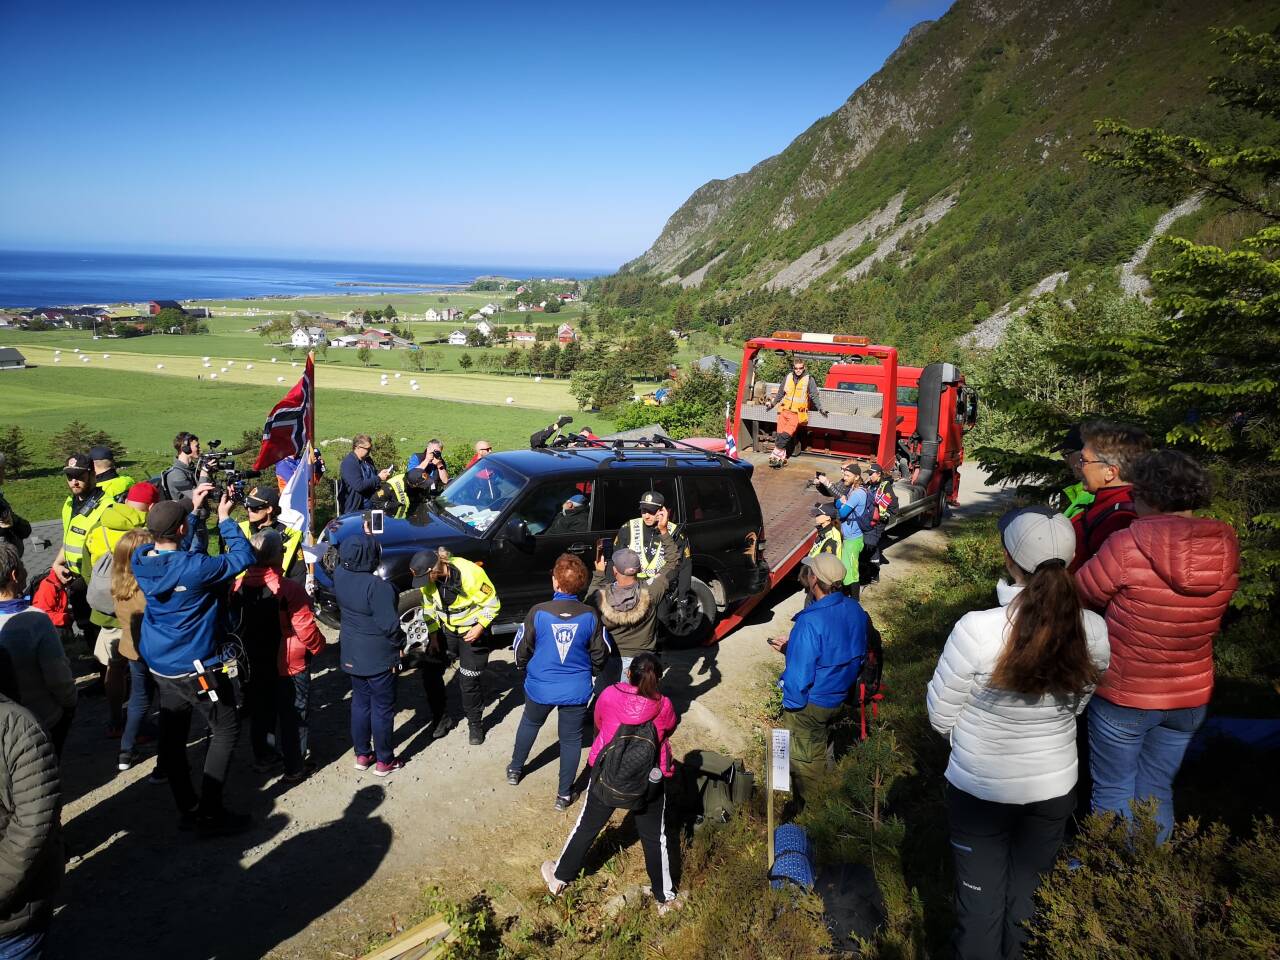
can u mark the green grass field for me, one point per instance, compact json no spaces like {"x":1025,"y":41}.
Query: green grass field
{"x":144,"y":410}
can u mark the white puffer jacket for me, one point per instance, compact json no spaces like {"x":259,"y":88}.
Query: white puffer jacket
{"x":1005,"y":747}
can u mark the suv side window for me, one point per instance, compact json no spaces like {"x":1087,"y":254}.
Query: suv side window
{"x":544,"y":509}
{"x":621,"y":498}
{"x":709,"y":498}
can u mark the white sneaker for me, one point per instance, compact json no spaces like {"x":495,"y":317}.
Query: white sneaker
{"x":675,"y":903}
{"x":549,"y":878}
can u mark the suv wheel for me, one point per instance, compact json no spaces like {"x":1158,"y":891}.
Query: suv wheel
{"x":691,"y":625}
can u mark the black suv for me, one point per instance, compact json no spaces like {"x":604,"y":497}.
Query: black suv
{"x":507,"y":513}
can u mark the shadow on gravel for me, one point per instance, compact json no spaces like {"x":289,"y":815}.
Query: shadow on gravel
{"x":254,"y":906}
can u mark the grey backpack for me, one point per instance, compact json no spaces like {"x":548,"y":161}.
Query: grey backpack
{"x":98,"y":595}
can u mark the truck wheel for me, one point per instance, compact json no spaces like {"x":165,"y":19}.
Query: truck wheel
{"x":933,"y":517}
{"x":691,"y":625}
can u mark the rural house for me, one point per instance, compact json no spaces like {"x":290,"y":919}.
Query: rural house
{"x":457,"y":339}
{"x":155,"y":306}
{"x":11,"y":359}
{"x":307,"y":336}
{"x":521,"y":338}
{"x":489,"y":309}
{"x":566,"y":333}
{"x":485,"y":328}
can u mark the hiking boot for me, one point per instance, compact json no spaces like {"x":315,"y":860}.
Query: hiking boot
{"x":475,"y":734}
{"x":386,"y":769}
{"x":549,"y":878}
{"x":563,"y":803}
{"x":364,"y":761}
{"x":442,"y":726}
{"x":513,"y":776}
{"x":224,"y":824}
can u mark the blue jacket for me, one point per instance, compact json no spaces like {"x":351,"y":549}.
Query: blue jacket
{"x":558,"y":645}
{"x":854,"y":516}
{"x":370,"y":635}
{"x":356,"y":482}
{"x":824,"y":653}
{"x":185,"y":591}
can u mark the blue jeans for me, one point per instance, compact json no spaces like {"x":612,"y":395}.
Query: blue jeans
{"x":141,"y":686}
{"x":569,"y":719}
{"x":1134,"y":754}
{"x":373,"y":713}
{"x":23,"y":946}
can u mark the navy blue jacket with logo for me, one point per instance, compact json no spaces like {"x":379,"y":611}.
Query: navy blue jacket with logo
{"x":370,"y":637}
{"x":558,"y":646}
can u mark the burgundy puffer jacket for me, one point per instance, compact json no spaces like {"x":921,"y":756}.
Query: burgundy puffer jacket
{"x":1163,"y":584}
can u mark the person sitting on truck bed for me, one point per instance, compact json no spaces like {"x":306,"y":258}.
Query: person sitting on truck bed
{"x":628,"y":605}
{"x":644,"y":534}
{"x":796,"y":396}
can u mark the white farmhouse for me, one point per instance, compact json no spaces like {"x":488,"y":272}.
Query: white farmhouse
{"x":457,"y":339}
{"x":485,"y":328}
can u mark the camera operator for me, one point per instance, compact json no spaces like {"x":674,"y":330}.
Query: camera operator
{"x":431,"y":463}
{"x":182,"y":478}
{"x":182,"y":629}
{"x":358,"y":477}
{"x":13,"y":528}
{"x":263,"y":506}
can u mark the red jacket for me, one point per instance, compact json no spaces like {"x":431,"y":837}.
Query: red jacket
{"x":1111,"y":510}
{"x":1163,"y":585}
{"x":298,"y":627}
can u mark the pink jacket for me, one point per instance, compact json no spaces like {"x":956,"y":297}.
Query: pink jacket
{"x":620,"y":704}
{"x":1163,"y":584}
{"x":297,"y":623}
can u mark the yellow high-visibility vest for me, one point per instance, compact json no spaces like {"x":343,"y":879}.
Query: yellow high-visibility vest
{"x":649,"y":566}
{"x":292,"y":542}
{"x":477,"y":601}
{"x":831,"y":541}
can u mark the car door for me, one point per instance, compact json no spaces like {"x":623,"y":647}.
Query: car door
{"x":553,"y":517}
{"x":618,"y":497}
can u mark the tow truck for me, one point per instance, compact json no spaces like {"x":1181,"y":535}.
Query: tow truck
{"x":910,"y":420}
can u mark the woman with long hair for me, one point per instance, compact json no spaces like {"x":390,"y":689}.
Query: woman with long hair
{"x":635,"y":722}
{"x":130,"y":604}
{"x":1008,"y":687}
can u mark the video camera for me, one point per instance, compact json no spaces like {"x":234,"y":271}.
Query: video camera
{"x":220,"y":468}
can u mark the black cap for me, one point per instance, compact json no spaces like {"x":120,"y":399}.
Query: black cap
{"x":101,"y":453}
{"x":77,"y":464}
{"x":824,"y":510}
{"x":415,"y":478}
{"x":420,"y":567}
{"x":876,"y":468}
{"x":652,"y":501}
{"x":1072,"y":442}
{"x":262,"y":497}
{"x":165,"y":517}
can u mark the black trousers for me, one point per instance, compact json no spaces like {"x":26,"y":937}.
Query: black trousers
{"x":178,"y":699}
{"x":650,"y":824}
{"x":261,"y":699}
{"x":1000,"y":851}
{"x":472,"y":659}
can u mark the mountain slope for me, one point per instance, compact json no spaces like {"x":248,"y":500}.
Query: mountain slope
{"x":955,"y":173}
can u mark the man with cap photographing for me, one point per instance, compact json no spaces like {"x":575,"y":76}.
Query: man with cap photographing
{"x":262,"y":503}
{"x":628,"y":605}
{"x":182,"y":634}
{"x":824,"y":654}
{"x":459,"y":603}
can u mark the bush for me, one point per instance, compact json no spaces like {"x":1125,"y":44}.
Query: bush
{"x":1201,"y":895}
{"x":13,"y":444}
{"x":78,"y":437}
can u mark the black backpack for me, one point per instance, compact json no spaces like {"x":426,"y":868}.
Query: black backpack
{"x":254,"y":614}
{"x":624,"y":765}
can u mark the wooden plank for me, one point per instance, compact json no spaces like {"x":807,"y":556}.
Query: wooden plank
{"x":430,"y":933}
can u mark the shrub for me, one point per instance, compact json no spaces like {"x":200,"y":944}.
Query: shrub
{"x":78,"y":437}
{"x":1201,"y":895}
{"x":13,"y":444}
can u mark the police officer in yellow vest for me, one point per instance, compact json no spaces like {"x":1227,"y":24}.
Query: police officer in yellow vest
{"x":829,"y":538}
{"x":644,"y":534}
{"x":458,"y":605}
{"x":80,"y":512}
{"x":112,"y":483}
{"x":401,"y":493}
{"x":263,"y":505}
{"x":116,"y":520}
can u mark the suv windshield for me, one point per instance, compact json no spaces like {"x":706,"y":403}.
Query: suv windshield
{"x":481,"y":493}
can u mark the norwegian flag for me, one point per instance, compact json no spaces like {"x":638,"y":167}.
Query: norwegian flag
{"x":291,"y":424}
{"x":730,"y":442}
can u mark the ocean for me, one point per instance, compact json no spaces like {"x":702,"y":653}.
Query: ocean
{"x":29,"y":279}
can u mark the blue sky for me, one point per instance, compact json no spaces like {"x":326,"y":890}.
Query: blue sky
{"x":470,"y":133}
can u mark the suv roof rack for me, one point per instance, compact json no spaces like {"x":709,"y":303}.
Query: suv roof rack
{"x":619,"y":448}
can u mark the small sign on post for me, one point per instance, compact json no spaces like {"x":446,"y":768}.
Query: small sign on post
{"x":777,"y":773}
